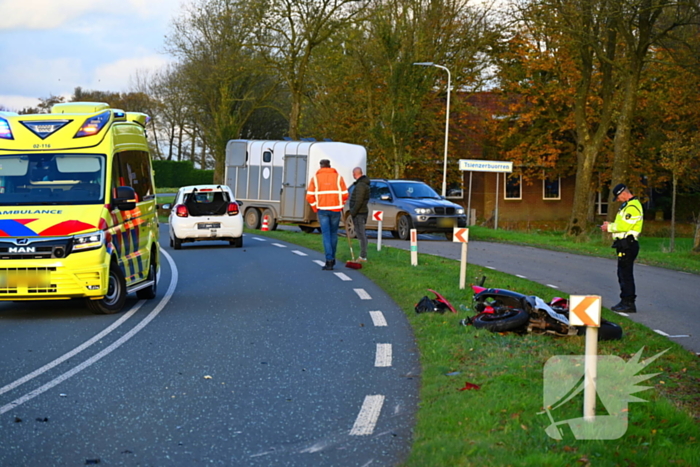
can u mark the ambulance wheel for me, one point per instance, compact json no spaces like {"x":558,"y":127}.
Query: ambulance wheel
{"x":114,"y":300}
{"x":509,"y":320}
{"x":150,"y":292}
{"x":252,"y":218}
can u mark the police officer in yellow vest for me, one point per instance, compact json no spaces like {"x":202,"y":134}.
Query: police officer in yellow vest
{"x":625,"y":232}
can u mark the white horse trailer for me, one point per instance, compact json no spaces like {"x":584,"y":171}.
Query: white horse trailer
{"x":270,"y":178}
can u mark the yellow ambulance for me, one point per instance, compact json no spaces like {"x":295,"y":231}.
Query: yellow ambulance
{"x":78,"y":214}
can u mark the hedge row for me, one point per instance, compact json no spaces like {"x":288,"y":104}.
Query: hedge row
{"x":180,"y":173}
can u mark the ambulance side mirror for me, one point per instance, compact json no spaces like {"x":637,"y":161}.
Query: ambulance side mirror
{"x":125,"y":199}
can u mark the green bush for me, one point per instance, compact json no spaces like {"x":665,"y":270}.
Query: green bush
{"x":180,"y":173}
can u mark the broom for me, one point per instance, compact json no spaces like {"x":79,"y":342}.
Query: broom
{"x":352,"y":264}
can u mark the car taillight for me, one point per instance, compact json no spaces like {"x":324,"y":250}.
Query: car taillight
{"x":232,"y":209}
{"x":181,"y":210}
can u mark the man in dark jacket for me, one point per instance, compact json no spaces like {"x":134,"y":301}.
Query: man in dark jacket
{"x":358,"y":209}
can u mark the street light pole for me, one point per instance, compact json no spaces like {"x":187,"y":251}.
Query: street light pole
{"x":447,"y":122}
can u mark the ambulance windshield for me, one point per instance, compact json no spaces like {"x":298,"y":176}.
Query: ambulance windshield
{"x":41,"y":179}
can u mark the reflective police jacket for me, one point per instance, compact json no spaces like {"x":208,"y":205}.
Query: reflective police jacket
{"x":327,"y":190}
{"x":628,"y":221}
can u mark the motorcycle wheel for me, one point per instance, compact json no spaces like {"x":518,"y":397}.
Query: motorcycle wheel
{"x":501,"y":322}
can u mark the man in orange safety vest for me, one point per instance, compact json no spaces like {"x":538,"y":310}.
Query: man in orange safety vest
{"x":327,"y":194}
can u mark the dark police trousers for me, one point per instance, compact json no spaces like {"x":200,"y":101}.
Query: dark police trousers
{"x":627,"y":251}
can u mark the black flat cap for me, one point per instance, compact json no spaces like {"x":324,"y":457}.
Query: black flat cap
{"x":619,"y":188}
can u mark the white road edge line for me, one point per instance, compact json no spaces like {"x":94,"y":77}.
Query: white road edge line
{"x":378,"y":318}
{"x":383,"y":356}
{"x":73,"y":352}
{"x":658,"y":331}
{"x":342,"y":276}
{"x":300,"y":253}
{"x":115,"y":345}
{"x":362,"y":293}
{"x":552,"y":286}
{"x":368,"y":416}
{"x":522,"y":277}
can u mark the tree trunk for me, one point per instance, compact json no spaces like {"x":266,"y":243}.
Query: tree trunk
{"x":623,"y":132}
{"x":696,"y":240}
{"x":295,"y":115}
{"x":584,"y":174}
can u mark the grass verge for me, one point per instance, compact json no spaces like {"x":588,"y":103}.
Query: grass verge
{"x":499,"y":423}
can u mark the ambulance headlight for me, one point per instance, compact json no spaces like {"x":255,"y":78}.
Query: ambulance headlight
{"x":88,"y":241}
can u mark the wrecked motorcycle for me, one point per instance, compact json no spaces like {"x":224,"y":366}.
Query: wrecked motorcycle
{"x":501,"y":310}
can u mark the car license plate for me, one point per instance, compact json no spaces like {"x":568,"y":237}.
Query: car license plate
{"x":446,"y":222}
{"x":214,"y":225}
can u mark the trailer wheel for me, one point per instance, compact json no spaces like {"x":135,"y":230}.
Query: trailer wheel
{"x":252,"y":218}
{"x":271,"y":221}
{"x":307,"y":229}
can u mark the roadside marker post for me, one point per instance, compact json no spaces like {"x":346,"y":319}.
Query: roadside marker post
{"x":585,"y":311}
{"x":379,"y":217}
{"x":460,"y":235}
{"x":414,"y":247}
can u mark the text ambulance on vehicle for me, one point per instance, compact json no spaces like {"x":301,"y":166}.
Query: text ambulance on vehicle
{"x":77,"y":206}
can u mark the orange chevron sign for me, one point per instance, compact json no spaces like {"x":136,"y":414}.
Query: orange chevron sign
{"x":460,"y":235}
{"x":584,"y":310}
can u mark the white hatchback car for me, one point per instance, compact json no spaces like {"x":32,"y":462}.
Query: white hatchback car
{"x":205,"y":212}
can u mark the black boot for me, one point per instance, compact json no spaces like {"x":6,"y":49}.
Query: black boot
{"x":619,"y":306}
{"x":328,"y":266}
{"x":627,"y":306}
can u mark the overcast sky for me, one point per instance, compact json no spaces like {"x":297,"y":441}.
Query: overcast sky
{"x":50,"y":47}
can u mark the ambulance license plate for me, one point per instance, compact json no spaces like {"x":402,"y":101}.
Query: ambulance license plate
{"x":215,"y":225}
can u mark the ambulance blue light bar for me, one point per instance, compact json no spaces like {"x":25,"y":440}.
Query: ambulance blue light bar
{"x":93,"y":125}
{"x":5,"y":130}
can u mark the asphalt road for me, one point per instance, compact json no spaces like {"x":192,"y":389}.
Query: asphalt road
{"x":249,"y":357}
{"x":667,"y":301}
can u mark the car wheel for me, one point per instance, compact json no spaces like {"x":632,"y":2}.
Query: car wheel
{"x":349,"y":226}
{"x":252,"y":218}
{"x":271,"y":221}
{"x":114,"y":300}
{"x":177,"y":243}
{"x":150,"y":292}
{"x":405,"y":224}
{"x":449,"y":235}
{"x":236,"y":242}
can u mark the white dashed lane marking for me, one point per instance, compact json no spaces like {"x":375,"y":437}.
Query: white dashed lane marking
{"x":362,"y":293}
{"x":259,"y":239}
{"x":342,"y":276}
{"x":300,"y":253}
{"x":522,"y":277}
{"x":279,"y":245}
{"x":552,"y":286}
{"x":368,"y":416}
{"x":378,"y":318}
{"x":320,"y":263}
{"x":383,"y":356}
